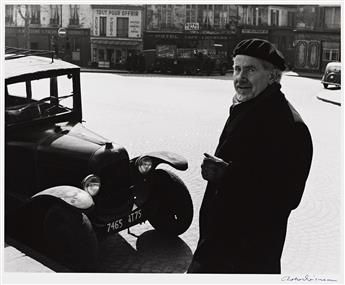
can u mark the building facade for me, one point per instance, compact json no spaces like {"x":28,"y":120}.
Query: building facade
{"x":191,"y":26}
{"x":116,"y":34}
{"x":37,"y":26}
{"x":317,"y":37}
{"x":105,"y":36}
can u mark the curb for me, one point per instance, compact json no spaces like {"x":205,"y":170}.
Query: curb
{"x":20,"y":258}
{"x":328,"y":100}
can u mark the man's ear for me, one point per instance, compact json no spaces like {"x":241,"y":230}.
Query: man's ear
{"x":271,"y":77}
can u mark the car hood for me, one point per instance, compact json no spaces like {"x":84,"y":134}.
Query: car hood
{"x":72,"y":143}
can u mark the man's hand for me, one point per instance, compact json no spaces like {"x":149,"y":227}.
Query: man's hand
{"x":213,"y":168}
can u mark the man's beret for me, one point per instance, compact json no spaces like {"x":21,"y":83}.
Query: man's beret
{"x":260,"y":49}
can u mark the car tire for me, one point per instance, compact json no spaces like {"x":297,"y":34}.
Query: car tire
{"x":171,"y":205}
{"x":70,"y":239}
{"x":325,"y":85}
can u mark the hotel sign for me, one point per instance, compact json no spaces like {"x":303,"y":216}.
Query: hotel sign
{"x":191,"y":26}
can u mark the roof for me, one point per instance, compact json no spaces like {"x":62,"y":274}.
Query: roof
{"x":21,"y":67}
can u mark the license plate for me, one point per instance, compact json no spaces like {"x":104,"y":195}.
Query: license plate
{"x":125,"y":222}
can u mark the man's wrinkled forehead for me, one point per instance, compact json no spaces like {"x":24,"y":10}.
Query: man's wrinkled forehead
{"x":246,"y":61}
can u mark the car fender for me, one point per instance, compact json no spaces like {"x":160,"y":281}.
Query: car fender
{"x":173,"y":159}
{"x":71,"y":195}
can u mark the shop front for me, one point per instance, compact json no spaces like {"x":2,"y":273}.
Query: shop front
{"x":223,"y":42}
{"x":117,"y":35}
{"x":314,"y":49}
{"x":113,"y":53}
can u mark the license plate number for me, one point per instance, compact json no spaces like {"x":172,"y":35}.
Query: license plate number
{"x":119,"y":224}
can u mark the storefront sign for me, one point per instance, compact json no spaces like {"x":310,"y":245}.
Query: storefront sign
{"x":113,"y":12}
{"x":253,"y":31}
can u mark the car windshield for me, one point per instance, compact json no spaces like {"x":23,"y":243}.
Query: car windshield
{"x":38,"y":99}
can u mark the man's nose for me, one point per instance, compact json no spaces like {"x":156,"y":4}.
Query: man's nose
{"x":241,"y":75}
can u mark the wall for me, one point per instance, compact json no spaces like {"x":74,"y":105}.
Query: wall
{"x":134,"y":20}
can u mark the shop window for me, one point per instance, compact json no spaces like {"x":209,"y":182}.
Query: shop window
{"x":101,"y":55}
{"x":35,"y":14}
{"x":74,"y":15}
{"x":330,"y":55}
{"x":122,"y":27}
{"x":33,"y":45}
{"x":94,"y":54}
{"x":9,"y":14}
{"x":102,"y":26}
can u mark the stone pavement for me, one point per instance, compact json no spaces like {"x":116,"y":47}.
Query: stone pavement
{"x":18,"y":260}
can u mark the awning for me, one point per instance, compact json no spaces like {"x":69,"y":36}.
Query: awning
{"x":115,"y":42}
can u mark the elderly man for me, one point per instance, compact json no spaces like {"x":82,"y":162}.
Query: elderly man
{"x":258,"y":173}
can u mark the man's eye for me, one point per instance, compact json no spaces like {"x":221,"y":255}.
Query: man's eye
{"x":252,"y":69}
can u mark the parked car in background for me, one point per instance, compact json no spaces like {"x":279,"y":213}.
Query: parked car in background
{"x":67,"y":187}
{"x":332,"y":75}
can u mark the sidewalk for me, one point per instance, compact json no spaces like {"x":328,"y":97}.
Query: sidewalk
{"x":288,"y":73}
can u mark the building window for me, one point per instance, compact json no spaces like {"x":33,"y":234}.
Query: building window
{"x":274,"y":17}
{"x":166,"y":16}
{"x":74,"y":14}
{"x":191,"y":14}
{"x":9,"y":14}
{"x":218,"y":9}
{"x":330,"y":55}
{"x":205,"y":16}
{"x":35,"y":14}
{"x":122,"y":27}
{"x":332,"y":18}
{"x":291,"y":19}
{"x":54,"y":15}
{"x":260,"y":12}
{"x":102,"y":26}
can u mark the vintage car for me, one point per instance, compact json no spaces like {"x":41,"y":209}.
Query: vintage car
{"x":332,"y":75}
{"x":67,"y":187}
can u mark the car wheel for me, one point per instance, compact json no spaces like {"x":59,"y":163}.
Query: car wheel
{"x":325,"y":85}
{"x":70,"y":239}
{"x":172,"y":204}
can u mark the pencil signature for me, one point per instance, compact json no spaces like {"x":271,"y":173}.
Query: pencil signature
{"x":307,"y":277}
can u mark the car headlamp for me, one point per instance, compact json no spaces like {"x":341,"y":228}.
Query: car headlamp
{"x":91,"y":184}
{"x":144,"y":164}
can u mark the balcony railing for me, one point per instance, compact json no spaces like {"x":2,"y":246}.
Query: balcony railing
{"x":54,"y":21}
{"x":9,"y":20}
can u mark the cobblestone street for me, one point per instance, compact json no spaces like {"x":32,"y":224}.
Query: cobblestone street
{"x":186,"y":115}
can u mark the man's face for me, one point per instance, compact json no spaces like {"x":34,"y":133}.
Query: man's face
{"x":250,"y":78}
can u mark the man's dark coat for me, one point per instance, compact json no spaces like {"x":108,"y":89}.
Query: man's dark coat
{"x":243,"y":218}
